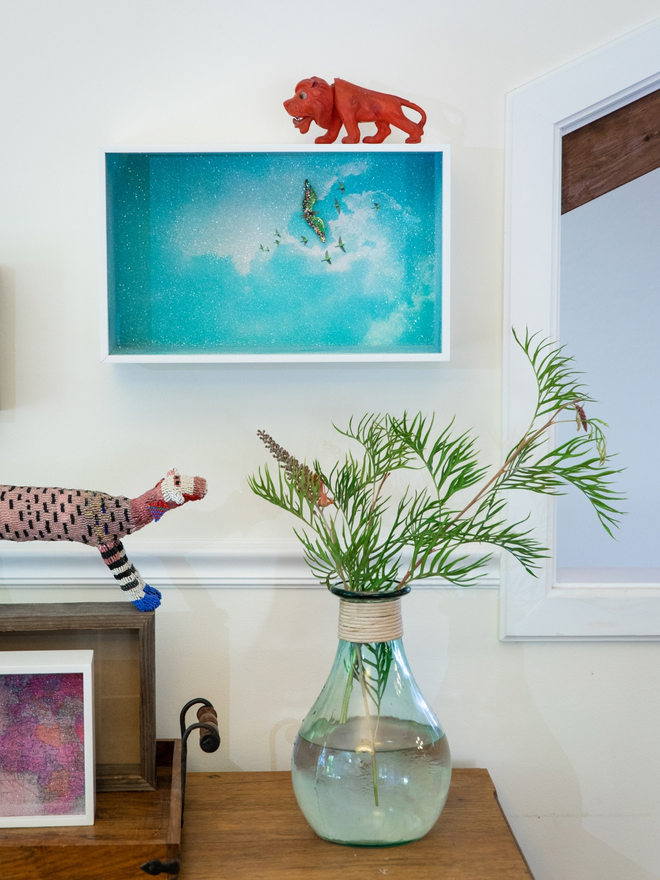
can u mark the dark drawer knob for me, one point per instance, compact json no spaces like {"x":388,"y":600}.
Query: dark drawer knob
{"x":155,"y":866}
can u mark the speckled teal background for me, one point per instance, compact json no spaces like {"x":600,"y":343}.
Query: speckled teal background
{"x":206,"y":253}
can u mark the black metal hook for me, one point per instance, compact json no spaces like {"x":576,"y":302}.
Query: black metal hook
{"x":208,"y":741}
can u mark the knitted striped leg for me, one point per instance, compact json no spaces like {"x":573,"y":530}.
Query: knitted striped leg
{"x":144,"y":597}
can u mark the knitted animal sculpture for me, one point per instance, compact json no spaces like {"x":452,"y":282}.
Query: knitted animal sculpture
{"x":29,"y":513}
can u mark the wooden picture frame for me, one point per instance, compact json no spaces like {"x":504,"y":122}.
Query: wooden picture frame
{"x":275,"y":253}
{"x":46,"y":738}
{"x":123,"y":641}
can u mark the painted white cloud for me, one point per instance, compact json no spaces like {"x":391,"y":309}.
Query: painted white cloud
{"x":390,"y":330}
{"x":240,"y":225}
{"x":349,"y":169}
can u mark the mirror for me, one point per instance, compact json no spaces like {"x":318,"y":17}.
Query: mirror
{"x":609,"y":315}
{"x":615,"y":599}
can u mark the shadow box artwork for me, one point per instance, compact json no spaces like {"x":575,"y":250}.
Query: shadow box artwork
{"x":230,"y":254}
{"x":122,"y":639}
{"x":46,"y":738}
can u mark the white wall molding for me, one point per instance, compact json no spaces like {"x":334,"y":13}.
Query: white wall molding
{"x":538,"y":114}
{"x":185,"y":564}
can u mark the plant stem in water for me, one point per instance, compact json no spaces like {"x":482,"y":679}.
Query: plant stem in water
{"x":374,"y":768}
{"x":349,"y":687}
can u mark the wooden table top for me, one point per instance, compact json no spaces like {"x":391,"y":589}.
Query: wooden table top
{"x":240,"y":826}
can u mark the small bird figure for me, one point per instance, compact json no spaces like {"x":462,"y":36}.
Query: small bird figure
{"x":326,"y":259}
{"x":341,"y":245}
{"x":261,"y":247}
{"x":337,"y":206}
{"x":277,"y":233}
{"x":341,"y":187}
{"x":278,"y":242}
{"x":377,"y":206}
{"x":304,"y":240}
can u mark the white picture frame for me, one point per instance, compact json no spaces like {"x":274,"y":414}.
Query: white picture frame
{"x":192,"y":271}
{"x":46,"y":707}
{"x":538,"y":114}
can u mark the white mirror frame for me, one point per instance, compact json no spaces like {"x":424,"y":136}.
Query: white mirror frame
{"x":538,"y":114}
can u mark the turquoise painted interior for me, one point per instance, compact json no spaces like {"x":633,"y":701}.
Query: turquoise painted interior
{"x":210,"y":253}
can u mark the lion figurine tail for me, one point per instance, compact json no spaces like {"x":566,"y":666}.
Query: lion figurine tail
{"x":422,"y":121}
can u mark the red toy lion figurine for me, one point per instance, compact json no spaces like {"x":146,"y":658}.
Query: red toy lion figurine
{"x":342,"y":103}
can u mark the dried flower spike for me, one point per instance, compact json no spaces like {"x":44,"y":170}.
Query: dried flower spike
{"x":304,"y":478}
{"x":581,"y":417}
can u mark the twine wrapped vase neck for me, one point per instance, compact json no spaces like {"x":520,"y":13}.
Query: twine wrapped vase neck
{"x":370,"y":617}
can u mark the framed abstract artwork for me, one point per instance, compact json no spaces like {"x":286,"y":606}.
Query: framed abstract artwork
{"x":46,"y":738}
{"x":123,"y":640}
{"x":258,"y":253}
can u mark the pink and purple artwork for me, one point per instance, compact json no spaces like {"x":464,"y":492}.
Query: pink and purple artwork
{"x":42,"y":744}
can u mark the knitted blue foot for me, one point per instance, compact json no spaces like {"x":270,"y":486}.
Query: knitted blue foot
{"x":150,"y":600}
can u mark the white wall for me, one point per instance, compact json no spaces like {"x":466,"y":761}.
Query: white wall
{"x":568,"y":731}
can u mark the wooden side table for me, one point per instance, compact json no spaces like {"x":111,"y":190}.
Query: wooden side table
{"x":240,"y":826}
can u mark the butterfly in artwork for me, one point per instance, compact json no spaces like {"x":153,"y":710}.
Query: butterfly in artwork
{"x":310,"y":215}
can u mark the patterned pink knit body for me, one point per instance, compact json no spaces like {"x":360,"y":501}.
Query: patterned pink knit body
{"x":33,"y":513}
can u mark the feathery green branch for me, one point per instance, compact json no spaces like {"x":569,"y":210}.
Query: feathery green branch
{"x":356,"y":535}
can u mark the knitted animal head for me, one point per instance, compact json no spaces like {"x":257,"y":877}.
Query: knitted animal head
{"x":178,"y":488}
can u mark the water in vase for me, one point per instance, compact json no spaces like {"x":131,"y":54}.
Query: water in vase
{"x":346,"y":802}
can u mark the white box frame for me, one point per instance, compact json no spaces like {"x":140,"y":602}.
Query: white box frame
{"x":49,"y":662}
{"x":538,"y":114}
{"x":107,"y":357}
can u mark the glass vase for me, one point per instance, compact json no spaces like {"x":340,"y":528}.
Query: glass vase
{"x":371,"y":765}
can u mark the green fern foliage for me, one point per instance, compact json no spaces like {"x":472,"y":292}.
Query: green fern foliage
{"x":359,"y":536}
